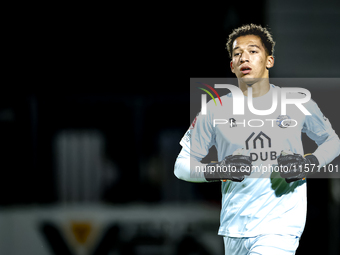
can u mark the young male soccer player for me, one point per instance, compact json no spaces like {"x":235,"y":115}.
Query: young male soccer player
{"x":262,"y":212}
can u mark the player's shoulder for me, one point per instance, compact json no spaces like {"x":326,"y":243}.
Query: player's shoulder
{"x":312,"y":107}
{"x":295,"y":93}
{"x":221,"y":101}
{"x":300,"y":93}
{"x":219,"y":105}
{"x":291,"y":92}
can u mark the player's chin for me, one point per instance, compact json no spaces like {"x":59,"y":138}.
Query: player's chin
{"x":249,"y":79}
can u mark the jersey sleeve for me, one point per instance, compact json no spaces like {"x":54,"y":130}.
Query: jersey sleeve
{"x":200,"y":136}
{"x":195,"y":144}
{"x":318,"y":128}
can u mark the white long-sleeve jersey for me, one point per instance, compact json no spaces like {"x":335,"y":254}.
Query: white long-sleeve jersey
{"x":262,"y":203}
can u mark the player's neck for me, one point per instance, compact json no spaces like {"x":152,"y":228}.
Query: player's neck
{"x":259,"y":88}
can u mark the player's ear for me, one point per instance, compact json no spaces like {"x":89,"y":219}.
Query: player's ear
{"x":231,"y":67}
{"x":270,"y":62}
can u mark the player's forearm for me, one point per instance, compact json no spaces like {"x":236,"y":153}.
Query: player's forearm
{"x":328,"y":151}
{"x":183,"y":171}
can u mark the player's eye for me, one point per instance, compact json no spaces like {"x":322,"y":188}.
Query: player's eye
{"x":253,"y":51}
{"x":236,"y":54}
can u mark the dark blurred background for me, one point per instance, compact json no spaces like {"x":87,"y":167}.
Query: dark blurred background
{"x":96,"y":102}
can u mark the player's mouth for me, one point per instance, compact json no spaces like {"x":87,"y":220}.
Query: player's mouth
{"x":245,"y":69}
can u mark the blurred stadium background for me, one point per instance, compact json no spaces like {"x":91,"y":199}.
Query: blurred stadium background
{"x":90,"y":171}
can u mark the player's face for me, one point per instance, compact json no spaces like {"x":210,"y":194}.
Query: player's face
{"x":249,"y":58}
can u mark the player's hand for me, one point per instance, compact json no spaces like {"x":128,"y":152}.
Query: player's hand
{"x":294,"y":166}
{"x":233,"y":167}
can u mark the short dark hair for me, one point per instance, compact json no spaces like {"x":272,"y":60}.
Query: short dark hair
{"x":252,"y":29}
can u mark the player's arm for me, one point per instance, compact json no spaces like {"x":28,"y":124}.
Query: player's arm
{"x":234,"y":167}
{"x":319,"y":129}
{"x":182,"y":167}
{"x":195,"y":146}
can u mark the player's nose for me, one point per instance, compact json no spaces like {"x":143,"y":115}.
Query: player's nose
{"x":244,"y":57}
